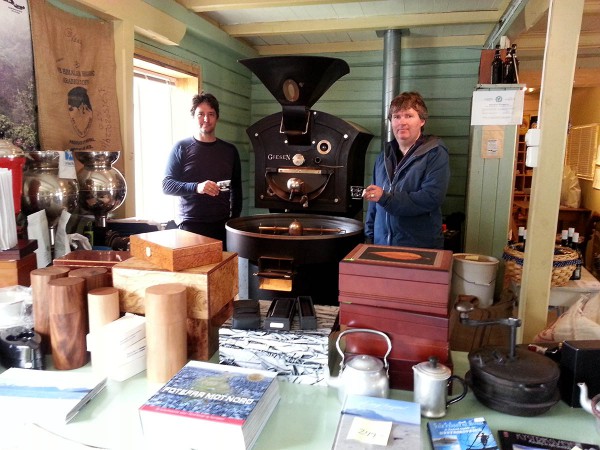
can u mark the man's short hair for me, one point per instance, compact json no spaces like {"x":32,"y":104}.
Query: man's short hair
{"x":408,"y":100}
{"x":205,"y":98}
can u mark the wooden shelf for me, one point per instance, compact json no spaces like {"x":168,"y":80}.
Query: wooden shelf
{"x":523,"y":174}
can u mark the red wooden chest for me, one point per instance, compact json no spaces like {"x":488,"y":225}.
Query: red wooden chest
{"x":414,"y":336}
{"x":396,"y":321}
{"x":403,"y":347}
{"x":403,"y":278}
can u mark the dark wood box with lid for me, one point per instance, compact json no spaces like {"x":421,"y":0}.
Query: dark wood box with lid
{"x":403,"y":278}
{"x":413,"y":336}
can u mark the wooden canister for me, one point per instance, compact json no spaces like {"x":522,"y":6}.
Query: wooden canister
{"x":166,"y":331}
{"x":95,"y":277}
{"x":68,"y":322}
{"x":103,"y":306}
{"x":40,"y":299}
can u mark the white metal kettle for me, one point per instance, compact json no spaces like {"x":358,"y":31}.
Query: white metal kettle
{"x":362,"y":374}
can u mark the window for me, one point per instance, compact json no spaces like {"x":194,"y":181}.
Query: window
{"x":582,"y":149}
{"x":161,"y":117}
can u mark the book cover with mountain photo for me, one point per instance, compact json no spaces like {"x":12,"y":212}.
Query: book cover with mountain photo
{"x":207,"y":405}
{"x":404,"y":419}
{"x":46,"y":396}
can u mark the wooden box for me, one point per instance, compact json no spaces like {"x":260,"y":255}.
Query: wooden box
{"x":203,"y":334}
{"x":209,"y":287}
{"x":91,"y":258}
{"x":403,"y":348}
{"x":79,"y":259}
{"x":176,"y":249}
{"x":23,"y":248}
{"x":16,"y":272}
{"x":405,"y":278}
{"x":403,"y":323}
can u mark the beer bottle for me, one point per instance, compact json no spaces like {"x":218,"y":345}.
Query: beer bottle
{"x":577,"y":272}
{"x":497,"y":67}
{"x":509,"y":68}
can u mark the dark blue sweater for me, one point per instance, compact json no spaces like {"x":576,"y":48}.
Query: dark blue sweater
{"x":192,"y":162}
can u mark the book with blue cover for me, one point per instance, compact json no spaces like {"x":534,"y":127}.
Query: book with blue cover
{"x":207,"y":405}
{"x":46,"y":396}
{"x":363,"y":417}
{"x":472,"y":433}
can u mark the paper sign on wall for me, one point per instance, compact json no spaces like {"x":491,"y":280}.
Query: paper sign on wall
{"x":492,"y":142}
{"x":497,"y":107}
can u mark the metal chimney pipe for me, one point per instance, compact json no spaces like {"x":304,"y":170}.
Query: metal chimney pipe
{"x":391,"y":77}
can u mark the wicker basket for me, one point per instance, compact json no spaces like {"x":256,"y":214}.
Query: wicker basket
{"x":565,"y":261}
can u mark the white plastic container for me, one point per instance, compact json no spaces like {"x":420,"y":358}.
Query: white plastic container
{"x":474,"y":275}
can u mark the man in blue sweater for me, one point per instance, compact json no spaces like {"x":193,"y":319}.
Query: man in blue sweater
{"x":195,"y":166}
{"x":410,"y":181}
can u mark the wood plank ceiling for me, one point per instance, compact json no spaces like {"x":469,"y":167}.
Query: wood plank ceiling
{"x":278,"y":27}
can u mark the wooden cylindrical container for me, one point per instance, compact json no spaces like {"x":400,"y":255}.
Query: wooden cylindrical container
{"x":95,"y":277}
{"x":40,"y":299}
{"x":166,"y":331}
{"x":68,"y":322}
{"x":103,"y":306}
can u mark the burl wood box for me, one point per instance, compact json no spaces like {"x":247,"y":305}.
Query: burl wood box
{"x":176,"y":249}
{"x":411,"y":279}
{"x":210,"y":287}
{"x":203,"y":334}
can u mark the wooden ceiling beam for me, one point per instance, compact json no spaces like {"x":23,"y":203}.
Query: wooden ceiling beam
{"x":537,"y":41}
{"x":222,"y":5}
{"x":360,"y":24}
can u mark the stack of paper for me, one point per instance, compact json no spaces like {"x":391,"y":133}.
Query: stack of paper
{"x":8,"y":223}
{"x":119,"y":347}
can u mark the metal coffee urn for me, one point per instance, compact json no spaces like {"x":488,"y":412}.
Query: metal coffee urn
{"x":305,"y":163}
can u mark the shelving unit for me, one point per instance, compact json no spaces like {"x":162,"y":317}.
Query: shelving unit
{"x":523,"y":174}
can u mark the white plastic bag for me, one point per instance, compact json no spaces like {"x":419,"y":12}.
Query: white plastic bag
{"x":580,"y":322}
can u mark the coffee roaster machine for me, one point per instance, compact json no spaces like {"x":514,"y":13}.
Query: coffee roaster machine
{"x":305,"y":163}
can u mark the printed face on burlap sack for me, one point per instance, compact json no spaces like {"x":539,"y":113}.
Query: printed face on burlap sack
{"x":80,"y":110}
